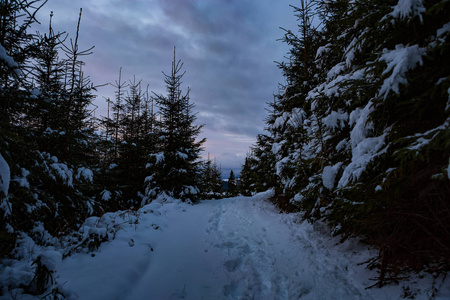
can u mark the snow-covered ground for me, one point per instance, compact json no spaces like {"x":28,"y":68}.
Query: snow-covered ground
{"x":237,"y":248}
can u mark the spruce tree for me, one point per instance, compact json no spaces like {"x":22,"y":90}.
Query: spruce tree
{"x":130,"y":133}
{"x":131,"y":160}
{"x":216,"y":180}
{"x":399,"y":122}
{"x":46,"y":191}
{"x":48,"y":106}
{"x":290,"y":122}
{"x":211,"y":179}
{"x":110,"y":174}
{"x":16,"y":51}
{"x":248,"y":175}
{"x":265,"y":175}
{"x":175,"y":167}
{"x":370,"y":151}
{"x":232,"y":188}
{"x":78,"y":96}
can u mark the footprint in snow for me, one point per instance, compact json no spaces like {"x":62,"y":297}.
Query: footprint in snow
{"x":232,"y":264}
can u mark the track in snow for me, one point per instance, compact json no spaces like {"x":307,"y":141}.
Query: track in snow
{"x":266,"y":259}
{"x":238,"y":248}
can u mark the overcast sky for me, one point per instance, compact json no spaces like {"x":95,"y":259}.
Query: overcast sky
{"x":228,"y":48}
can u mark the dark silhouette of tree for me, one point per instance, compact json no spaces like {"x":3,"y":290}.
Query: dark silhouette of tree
{"x":232,"y":189}
{"x":175,"y":166}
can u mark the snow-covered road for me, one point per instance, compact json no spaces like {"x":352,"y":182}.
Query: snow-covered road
{"x":238,"y":248}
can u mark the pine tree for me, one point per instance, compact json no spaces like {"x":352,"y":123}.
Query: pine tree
{"x":266,"y":176}
{"x":395,"y":93}
{"x":216,"y":180}
{"x":16,"y":51}
{"x":149,"y":126}
{"x":112,"y":123}
{"x":291,"y":118}
{"x":175,"y":166}
{"x":130,"y":133}
{"x":78,"y":96}
{"x":211,"y":179}
{"x":46,"y":191}
{"x":48,"y":106}
{"x":248,"y":175}
{"x":131,"y":160}
{"x":369,"y":152}
{"x":118,"y":112}
{"x":232,"y":189}
{"x":111,"y":176}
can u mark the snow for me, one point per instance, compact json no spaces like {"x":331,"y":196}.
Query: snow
{"x":335,"y":86}
{"x":280,"y":164}
{"x":448,"y":169}
{"x":297,"y":117}
{"x":421,"y":141}
{"x":276,"y":147}
{"x":85,"y":173}
{"x":405,"y":8}
{"x":7,"y":59}
{"x":63,"y":172}
{"x":5,"y":176}
{"x":364,"y":146}
{"x":51,"y":259}
{"x":6,"y":207}
{"x":336,"y":70}
{"x":399,"y":61}
{"x":159,"y":157}
{"x":322,"y":50}
{"x":443,"y":30}
{"x":335,"y":119}
{"x":20,"y":271}
{"x":279,"y":122}
{"x":182,"y":155}
{"x":363,"y":127}
{"x":235,"y":248}
{"x":351,"y":49}
{"x":23,"y":181}
{"x":362,"y":154}
{"x":106,"y":195}
{"x":329,"y":175}
{"x":341,"y":145}
{"x":448,"y":101}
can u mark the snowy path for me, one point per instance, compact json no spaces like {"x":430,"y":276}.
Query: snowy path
{"x":239,"y":248}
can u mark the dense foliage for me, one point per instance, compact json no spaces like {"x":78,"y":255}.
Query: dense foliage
{"x":360,"y":134}
{"x":59,"y":164}
{"x":46,"y":141}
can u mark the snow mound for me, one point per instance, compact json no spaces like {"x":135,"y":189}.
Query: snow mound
{"x":5,"y":176}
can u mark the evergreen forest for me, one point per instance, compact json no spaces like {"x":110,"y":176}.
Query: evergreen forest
{"x":357,"y":137}
{"x":60,"y":164}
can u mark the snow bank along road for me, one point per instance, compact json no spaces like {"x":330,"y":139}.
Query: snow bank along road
{"x":238,"y":248}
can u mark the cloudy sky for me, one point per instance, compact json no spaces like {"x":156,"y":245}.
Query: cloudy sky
{"x":228,"y":48}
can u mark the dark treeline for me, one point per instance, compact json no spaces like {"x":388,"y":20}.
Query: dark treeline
{"x":59,"y":164}
{"x":359,"y":134}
